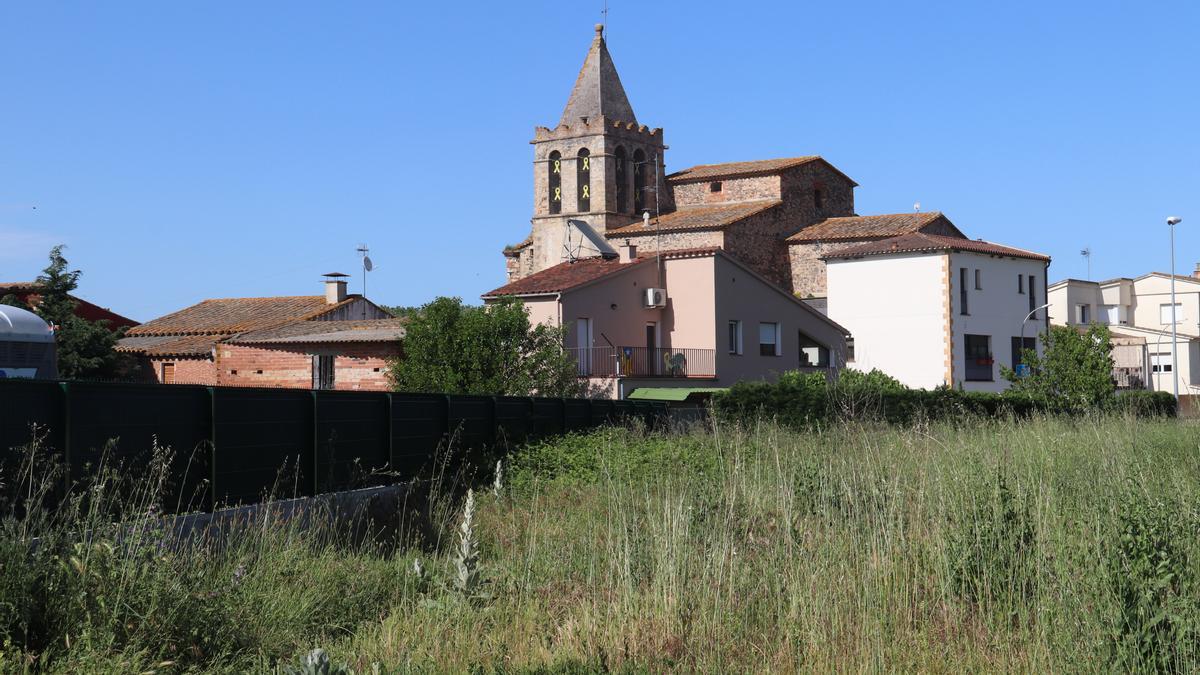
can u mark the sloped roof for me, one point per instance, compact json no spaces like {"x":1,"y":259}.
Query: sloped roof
{"x":170,"y":345}
{"x":236,"y":315}
{"x":368,"y":330}
{"x":918,"y":242}
{"x":598,"y":89}
{"x":866,"y":227}
{"x":759,"y":167}
{"x":566,"y":276}
{"x":695,"y":218}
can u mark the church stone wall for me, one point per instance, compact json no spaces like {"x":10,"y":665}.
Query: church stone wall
{"x":671,"y":241}
{"x":754,"y":188}
{"x":807,"y":268}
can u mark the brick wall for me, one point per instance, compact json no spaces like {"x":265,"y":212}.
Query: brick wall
{"x":357,"y":366}
{"x":187,"y":370}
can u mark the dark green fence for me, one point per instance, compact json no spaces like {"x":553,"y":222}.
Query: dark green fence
{"x":235,"y":445}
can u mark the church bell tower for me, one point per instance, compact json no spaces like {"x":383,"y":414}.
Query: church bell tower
{"x":598,"y":166}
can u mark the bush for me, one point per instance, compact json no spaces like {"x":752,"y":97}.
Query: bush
{"x":802,"y":400}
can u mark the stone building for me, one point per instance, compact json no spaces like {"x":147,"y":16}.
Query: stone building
{"x":599,"y":172}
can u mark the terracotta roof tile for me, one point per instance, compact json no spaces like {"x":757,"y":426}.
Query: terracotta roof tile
{"x":236,"y":315}
{"x":865,"y":227}
{"x":917,"y":242}
{"x":568,"y":275}
{"x":170,"y":345}
{"x":366,"y":330}
{"x":731,"y":169}
{"x":695,"y":218}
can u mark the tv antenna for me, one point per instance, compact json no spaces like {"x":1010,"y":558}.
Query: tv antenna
{"x":367,"y":265}
{"x":1087,"y":256}
{"x":917,"y":207}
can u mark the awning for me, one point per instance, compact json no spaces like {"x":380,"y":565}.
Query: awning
{"x":672,"y":393}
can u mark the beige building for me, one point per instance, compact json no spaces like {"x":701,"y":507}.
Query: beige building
{"x":687,"y":318}
{"x":1139,"y":313}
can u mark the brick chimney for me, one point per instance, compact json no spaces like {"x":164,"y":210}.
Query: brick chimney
{"x":1196,"y":272}
{"x":335,"y":287}
{"x":627,"y":252}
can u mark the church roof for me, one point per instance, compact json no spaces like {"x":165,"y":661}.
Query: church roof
{"x":696,"y":218}
{"x":598,"y":89}
{"x":761,"y":167}
{"x":868,"y":227}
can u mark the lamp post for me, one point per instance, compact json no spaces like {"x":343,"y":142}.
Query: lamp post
{"x":1028,"y":316}
{"x":1172,"y":221}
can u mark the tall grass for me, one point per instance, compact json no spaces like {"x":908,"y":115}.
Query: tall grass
{"x":1042,"y":545}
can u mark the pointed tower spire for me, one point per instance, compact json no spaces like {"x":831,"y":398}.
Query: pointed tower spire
{"x":598,"y":89}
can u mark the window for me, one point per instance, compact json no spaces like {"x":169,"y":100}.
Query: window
{"x":1160,"y":362}
{"x":813,"y":354}
{"x":1165,"y":314}
{"x":583,"y":180}
{"x":714,"y":186}
{"x":1032,"y":296}
{"x":978,"y":281}
{"x":1083,"y":314}
{"x":322,"y":371}
{"x":768,"y":339}
{"x":167,"y":373}
{"x":622,"y":178}
{"x":849,"y":349}
{"x":735,"y":337}
{"x":978,"y":354}
{"x":1018,"y":349}
{"x":1112,"y":314}
{"x":554,"y":172}
{"x":639,"y":180}
{"x":818,"y":198}
{"x":1021,"y":284}
{"x":962,"y":290}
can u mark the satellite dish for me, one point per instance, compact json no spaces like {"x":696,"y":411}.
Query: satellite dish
{"x":367,"y":264}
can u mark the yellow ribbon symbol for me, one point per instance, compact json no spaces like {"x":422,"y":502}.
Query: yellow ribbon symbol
{"x":586,"y":192}
{"x":587,"y":163}
{"x":557,"y":165}
{"x":558,"y":194}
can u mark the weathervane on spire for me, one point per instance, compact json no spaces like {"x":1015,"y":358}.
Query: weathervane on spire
{"x":604,"y":18}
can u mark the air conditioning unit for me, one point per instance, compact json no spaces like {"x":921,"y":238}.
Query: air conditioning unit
{"x":656,"y":297}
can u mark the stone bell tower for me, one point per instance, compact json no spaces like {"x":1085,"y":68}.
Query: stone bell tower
{"x":598,"y":166}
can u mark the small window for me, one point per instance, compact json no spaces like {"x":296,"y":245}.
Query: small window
{"x":167,"y":373}
{"x":1165,"y":315}
{"x":962,"y":291}
{"x":1083,"y":314}
{"x":1021,"y":284}
{"x":818,"y":198}
{"x":768,"y":339}
{"x":322,"y":371}
{"x":813,"y":354}
{"x":978,"y":356}
{"x":714,"y":186}
{"x":1032,"y":297}
{"x":735,"y":337}
{"x":978,"y":280}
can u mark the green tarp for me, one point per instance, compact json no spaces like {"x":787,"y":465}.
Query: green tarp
{"x":669,"y":393}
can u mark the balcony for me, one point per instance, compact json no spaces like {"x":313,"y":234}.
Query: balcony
{"x":645,"y":362}
{"x":1129,"y":377}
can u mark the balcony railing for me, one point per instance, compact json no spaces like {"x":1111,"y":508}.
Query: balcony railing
{"x":644,"y":362}
{"x":1129,"y":377}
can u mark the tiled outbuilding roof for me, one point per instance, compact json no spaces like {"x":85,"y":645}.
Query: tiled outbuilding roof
{"x":695,"y":218}
{"x":867,"y":227}
{"x":368,"y":330}
{"x":761,"y":167}
{"x":170,"y":345}
{"x":568,"y":275}
{"x":919,"y":242}
{"x":236,"y":315}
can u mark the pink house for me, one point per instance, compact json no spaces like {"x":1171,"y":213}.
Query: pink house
{"x":685,"y":318}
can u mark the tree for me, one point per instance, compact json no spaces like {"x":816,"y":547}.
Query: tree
{"x":85,"y":349}
{"x":492,"y":350}
{"x":1075,"y":367}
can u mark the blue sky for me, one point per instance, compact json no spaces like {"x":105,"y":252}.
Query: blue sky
{"x":192,"y":150}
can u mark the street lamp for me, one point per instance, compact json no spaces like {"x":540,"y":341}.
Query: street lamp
{"x":1029,"y":316}
{"x":1172,"y":221}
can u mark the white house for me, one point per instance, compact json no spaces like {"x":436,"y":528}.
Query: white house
{"x":933,"y":310}
{"x":1138,"y":312}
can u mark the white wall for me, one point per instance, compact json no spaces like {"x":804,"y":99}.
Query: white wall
{"x":996,"y":310}
{"x":894,"y":308}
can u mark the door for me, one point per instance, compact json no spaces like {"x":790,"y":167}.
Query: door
{"x":652,"y":359}
{"x":583,"y":343}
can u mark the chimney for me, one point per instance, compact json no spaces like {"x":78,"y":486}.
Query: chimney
{"x":627,"y":252}
{"x":1196,"y":272}
{"x":335,"y":287}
